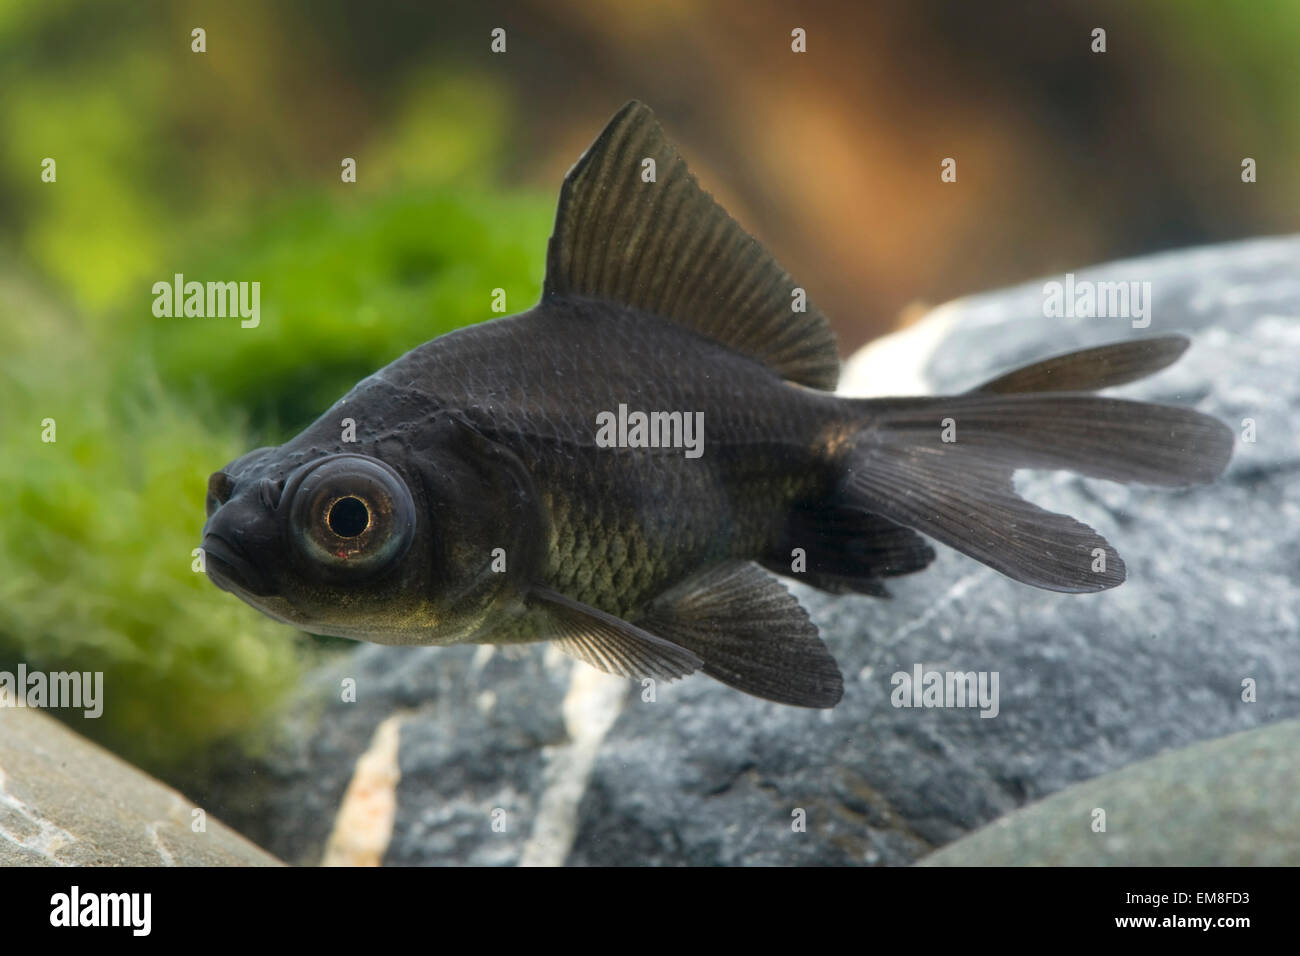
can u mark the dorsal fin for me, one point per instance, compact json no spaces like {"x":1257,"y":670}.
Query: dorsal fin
{"x":668,"y":248}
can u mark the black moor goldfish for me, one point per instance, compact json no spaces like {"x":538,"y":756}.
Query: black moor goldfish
{"x":622,"y":468}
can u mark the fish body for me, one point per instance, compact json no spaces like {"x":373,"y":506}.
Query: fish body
{"x":534,"y":385}
{"x":494,"y":486}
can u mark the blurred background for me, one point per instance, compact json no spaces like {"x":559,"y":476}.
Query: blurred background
{"x":226,"y":165}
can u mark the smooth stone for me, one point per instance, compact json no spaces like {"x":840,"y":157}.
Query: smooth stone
{"x":1234,"y":801}
{"x":65,"y":801}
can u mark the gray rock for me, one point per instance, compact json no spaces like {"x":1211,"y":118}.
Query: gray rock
{"x":1088,"y":683}
{"x":1234,"y":801}
{"x":67,"y":802}
{"x":475,"y":728}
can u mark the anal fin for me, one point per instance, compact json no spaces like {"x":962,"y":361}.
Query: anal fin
{"x":751,"y":634}
{"x":846,"y":549}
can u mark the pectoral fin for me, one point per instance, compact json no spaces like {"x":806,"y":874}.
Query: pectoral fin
{"x":607,"y":642}
{"x":751,"y":634}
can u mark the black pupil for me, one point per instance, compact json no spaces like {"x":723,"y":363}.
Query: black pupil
{"x":349,"y":517}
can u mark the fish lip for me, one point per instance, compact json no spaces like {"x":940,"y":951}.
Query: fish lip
{"x":230,"y":569}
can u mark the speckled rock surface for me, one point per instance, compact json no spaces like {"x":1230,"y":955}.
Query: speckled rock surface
{"x":66,"y":802}
{"x":1088,"y":683}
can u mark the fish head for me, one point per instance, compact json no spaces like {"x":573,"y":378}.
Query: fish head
{"x":391,"y":548}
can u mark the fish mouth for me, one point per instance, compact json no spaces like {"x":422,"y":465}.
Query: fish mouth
{"x":230,"y":569}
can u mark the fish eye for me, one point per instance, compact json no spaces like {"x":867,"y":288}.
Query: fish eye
{"x":352,"y":514}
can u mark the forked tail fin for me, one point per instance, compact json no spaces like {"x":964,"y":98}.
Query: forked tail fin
{"x":943,"y":466}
